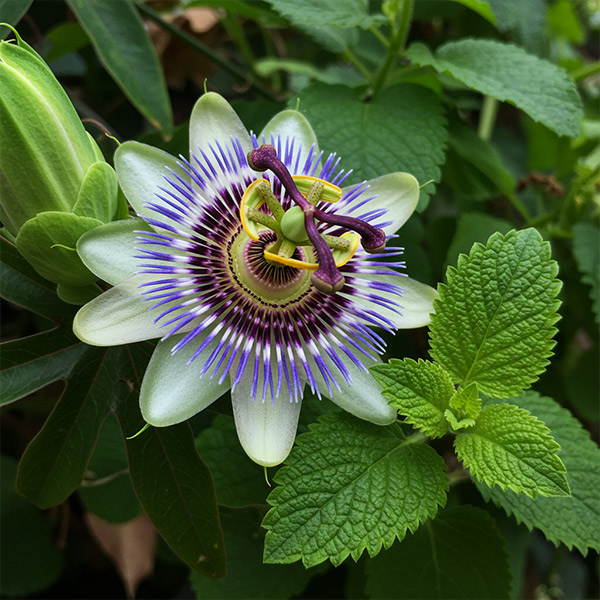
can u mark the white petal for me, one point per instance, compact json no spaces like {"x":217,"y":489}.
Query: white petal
{"x":108,"y":251}
{"x":213,"y":119}
{"x":173,"y":391}
{"x":415,"y":305}
{"x":292,"y":124}
{"x":266,"y":430}
{"x":396,"y":192}
{"x":141,"y":169}
{"x":363,"y":397}
{"x":118,"y":316}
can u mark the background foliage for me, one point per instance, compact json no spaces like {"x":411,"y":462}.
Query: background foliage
{"x":495,"y":103}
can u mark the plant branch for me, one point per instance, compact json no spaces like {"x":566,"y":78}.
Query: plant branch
{"x":203,"y":49}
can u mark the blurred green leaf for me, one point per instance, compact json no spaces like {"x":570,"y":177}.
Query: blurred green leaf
{"x":508,"y":73}
{"x":401,"y":129}
{"x":55,"y":461}
{"x":30,"y":363}
{"x":174,"y":487}
{"x":525,"y":21}
{"x":26,"y":288}
{"x":481,"y":7}
{"x":472,"y":228}
{"x":563,"y":22}
{"x":459,"y":554}
{"x":473,"y":166}
{"x":586,"y":248}
{"x":29,"y":560}
{"x":65,"y":38}
{"x":12,"y":11}
{"x":124,"y":48}
{"x":582,"y":385}
{"x":238,"y":480}
{"x":247,"y":576}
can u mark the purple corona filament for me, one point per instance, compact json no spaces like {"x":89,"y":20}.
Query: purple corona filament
{"x":327,"y":278}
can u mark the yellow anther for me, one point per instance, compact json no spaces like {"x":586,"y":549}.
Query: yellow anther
{"x":331,"y":193}
{"x":251,"y":199}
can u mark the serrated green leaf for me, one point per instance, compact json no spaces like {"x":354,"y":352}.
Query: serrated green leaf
{"x":474,"y":227}
{"x":511,"y":448}
{"x":54,"y":463}
{"x":573,"y":521}
{"x":247,"y":576}
{"x":30,"y":363}
{"x":421,"y":392}
{"x":174,"y":486}
{"x":509,"y":73}
{"x":26,"y":288}
{"x":460,"y":554}
{"x":349,"y":486}
{"x":586,"y":248}
{"x":465,"y":407}
{"x":124,"y":48}
{"x":493,"y":322}
{"x":401,"y":129}
{"x":29,"y":559}
{"x":238,"y":480}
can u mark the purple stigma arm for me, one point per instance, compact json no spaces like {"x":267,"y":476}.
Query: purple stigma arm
{"x":265,"y":157}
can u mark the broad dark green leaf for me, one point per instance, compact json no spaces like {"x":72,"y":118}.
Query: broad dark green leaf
{"x":23,"y":286}
{"x":459,"y":554}
{"x":11,"y":12}
{"x":30,"y":562}
{"x":55,"y":461}
{"x":401,"y":129}
{"x":30,"y":363}
{"x":175,"y":489}
{"x":106,"y":489}
{"x":238,"y":480}
{"x":524,"y":21}
{"x":247,"y":576}
{"x":124,"y":48}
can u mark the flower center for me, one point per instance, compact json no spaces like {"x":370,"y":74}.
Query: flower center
{"x":270,"y":281}
{"x":297,"y":226}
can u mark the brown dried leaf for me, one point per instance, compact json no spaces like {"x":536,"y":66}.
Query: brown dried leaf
{"x":131,"y":546}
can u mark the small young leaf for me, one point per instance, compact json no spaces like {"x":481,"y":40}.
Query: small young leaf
{"x":574,"y":521}
{"x":247,"y":576}
{"x":97,"y":197}
{"x":511,"y":448}
{"x":421,"y":392}
{"x":413,"y":141}
{"x":586,"y":248}
{"x":238,"y":480}
{"x":493,"y":323}
{"x":465,"y":407}
{"x":349,"y":486}
{"x":507,"y":72}
{"x":460,"y":554}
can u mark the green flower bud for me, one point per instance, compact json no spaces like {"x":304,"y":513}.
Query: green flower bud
{"x":47,"y":151}
{"x":54,"y":181}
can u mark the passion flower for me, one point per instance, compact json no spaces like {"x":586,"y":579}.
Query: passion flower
{"x":260,"y":273}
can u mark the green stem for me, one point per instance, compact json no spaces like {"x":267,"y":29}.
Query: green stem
{"x":348,"y":54}
{"x":239,"y":73}
{"x":399,"y":37}
{"x":586,"y":71}
{"x":487,"y":119}
{"x":384,"y":41}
